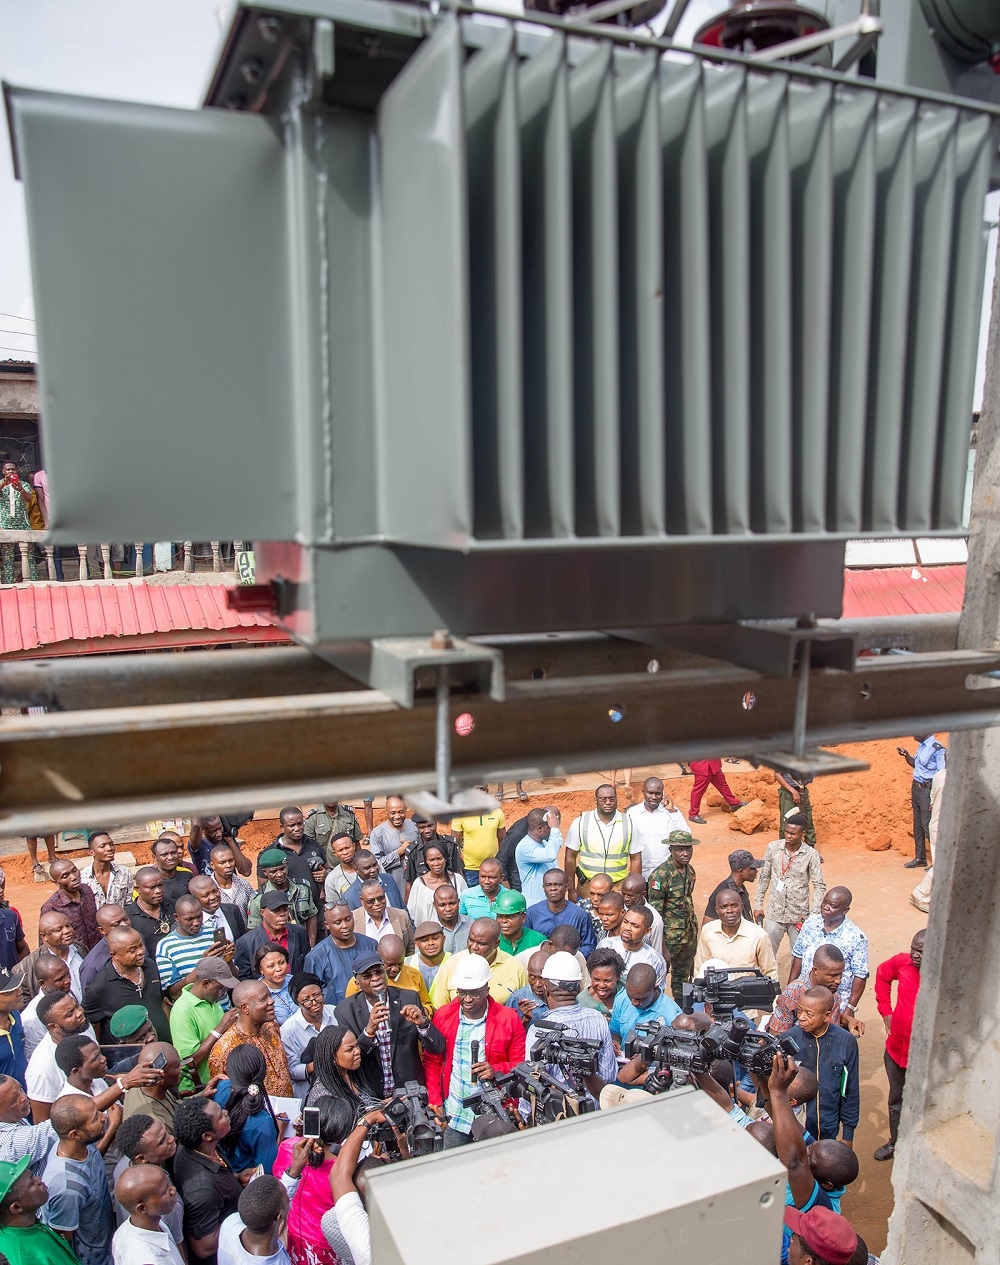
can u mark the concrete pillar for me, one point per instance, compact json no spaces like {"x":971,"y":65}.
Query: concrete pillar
{"x":946,"y":1176}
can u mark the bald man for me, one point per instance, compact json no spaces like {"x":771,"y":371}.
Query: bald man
{"x":109,"y":916}
{"x":147,"y":1194}
{"x":79,"y":1206}
{"x":507,"y":974}
{"x":160,"y":1100}
{"x":129,"y":978}
{"x":529,"y":1001}
{"x":55,"y":935}
{"x":76,"y":901}
{"x":255,"y":1026}
{"x":652,"y":821}
{"x":832,"y":926}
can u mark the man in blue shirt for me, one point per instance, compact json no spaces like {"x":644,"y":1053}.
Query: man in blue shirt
{"x":555,"y":910}
{"x":333,"y":958}
{"x":12,"y":1060}
{"x":929,"y":759}
{"x":639,"y":1002}
{"x":536,"y":853}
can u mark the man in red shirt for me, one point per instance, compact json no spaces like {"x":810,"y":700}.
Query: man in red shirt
{"x":904,"y":969}
{"x":482,"y":1040}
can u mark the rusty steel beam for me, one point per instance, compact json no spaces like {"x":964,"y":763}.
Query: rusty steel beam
{"x":133,"y":763}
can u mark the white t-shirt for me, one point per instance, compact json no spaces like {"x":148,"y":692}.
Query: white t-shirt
{"x":633,"y":956}
{"x":31,"y":1026}
{"x":44,"y":1080}
{"x":232,"y":1251}
{"x":353,"y":1222}
{"x":135,"y":1246}
{"x":651,"y":829}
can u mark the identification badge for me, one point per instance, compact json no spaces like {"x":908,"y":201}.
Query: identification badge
{"x":779,"y":885}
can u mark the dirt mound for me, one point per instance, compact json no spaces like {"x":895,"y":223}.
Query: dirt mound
{"x":750,"y":817}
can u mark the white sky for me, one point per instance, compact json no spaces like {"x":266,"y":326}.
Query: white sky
{"x":160,"y":52}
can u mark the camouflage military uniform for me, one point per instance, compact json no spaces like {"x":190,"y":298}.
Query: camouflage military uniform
{"x":321,"y":826}
{"x":671,"y":890}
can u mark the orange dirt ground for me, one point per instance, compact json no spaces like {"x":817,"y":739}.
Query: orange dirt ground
{"x":864,"y":830}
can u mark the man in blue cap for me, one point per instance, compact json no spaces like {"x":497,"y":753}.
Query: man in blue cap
{"x":23,"y":1238}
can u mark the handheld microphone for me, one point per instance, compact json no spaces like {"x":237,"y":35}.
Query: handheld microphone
{"x":474,"y":1050}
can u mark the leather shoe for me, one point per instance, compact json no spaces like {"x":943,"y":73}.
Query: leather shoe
{"x":915,"y":864}
{"x":698,"y":821}
{"x":886,"y":1151}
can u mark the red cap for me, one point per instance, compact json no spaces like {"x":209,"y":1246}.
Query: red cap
{"x":824,"y":1232}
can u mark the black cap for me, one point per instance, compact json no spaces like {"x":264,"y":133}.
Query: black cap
{"x":275,"y":900}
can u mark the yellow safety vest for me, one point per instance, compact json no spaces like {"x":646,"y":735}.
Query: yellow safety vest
{"x":604,"y":849}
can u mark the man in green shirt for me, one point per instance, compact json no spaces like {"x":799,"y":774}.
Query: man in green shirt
{"x":197,"y":1020}
{"x":23,"y":1239}
{"x":510,"y":911}
{"x":273,"y":867}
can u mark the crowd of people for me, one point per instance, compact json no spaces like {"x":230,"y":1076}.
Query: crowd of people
{"x":171,"y":1030}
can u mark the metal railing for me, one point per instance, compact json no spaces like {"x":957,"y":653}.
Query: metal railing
{"x":25,"y":540}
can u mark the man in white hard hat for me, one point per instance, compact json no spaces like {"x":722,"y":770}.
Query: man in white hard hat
{"x":483,"y":1040}
{"x":562,"y":980}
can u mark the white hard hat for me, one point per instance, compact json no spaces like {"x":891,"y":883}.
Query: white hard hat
{"x":471,"y":971}
{"x":562,"y":966}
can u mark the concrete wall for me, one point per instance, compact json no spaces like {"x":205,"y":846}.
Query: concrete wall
{"x":19,"y":395}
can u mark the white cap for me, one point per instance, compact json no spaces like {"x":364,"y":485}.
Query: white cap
{"x":562,"y":966}
{"x":471,"y":971}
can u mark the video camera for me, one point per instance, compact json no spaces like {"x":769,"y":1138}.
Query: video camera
{"x":407,"y":1109}
{"x":752,"y":991}
{"x":577,"y":1056}
{"x":674,"y":1054}
{"x":548,"y":1097}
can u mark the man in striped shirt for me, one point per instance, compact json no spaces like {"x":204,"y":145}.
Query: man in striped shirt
{"x":179,"y":953}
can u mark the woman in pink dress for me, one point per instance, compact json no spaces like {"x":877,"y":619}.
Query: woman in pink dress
{"x":307,"y":1243}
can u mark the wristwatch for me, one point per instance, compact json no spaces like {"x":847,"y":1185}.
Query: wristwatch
{"x":216,"y":1033}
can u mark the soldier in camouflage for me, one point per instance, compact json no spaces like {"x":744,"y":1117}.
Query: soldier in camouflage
{"x":671,"y":892}
{"x":329,"y":820}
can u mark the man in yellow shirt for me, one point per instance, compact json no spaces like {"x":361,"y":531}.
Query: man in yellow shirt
{"x":479,"y":838}
{"x":733,"y":939}
{"x":507,"y":974}
{"x":392,"y":951}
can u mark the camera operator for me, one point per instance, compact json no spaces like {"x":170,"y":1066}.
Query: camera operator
{"x":562,"y":980}
{"x":639,"y":1002}
{"x":803,"y":1191}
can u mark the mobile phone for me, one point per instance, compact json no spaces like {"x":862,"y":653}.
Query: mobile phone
{"x":310,"y":1122}
{"x":159,"y":1061}
{"x":219,"y":936}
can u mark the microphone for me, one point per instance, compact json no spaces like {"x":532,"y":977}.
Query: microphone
{"x":474,"y":1050}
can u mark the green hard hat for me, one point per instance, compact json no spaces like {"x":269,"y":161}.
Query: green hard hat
{"x":509,"y":902}
{"x":10,"y":1172}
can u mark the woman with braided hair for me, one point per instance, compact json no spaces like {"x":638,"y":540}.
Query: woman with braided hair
{"x":337,"y":1062}
{"x":254,"y":1130}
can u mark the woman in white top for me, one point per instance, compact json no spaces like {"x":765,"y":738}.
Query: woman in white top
{"x":420,"y":897}
{"x":312,"y":1016}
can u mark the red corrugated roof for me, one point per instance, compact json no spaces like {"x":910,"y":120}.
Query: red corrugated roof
{"x":903,"y":591}
{"x":99,"y":616}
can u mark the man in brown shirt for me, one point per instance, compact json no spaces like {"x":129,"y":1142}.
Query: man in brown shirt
{"x":255,"y":1026}
{"x":76,"y":901}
